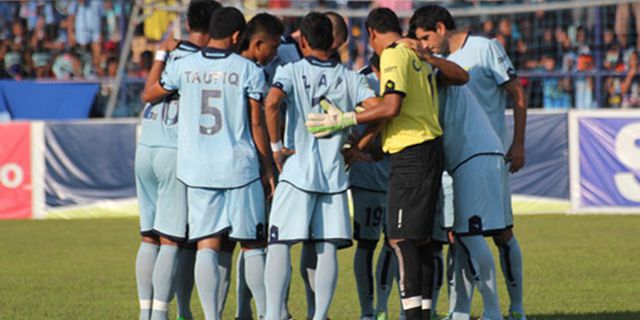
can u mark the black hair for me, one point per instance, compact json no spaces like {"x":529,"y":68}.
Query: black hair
{"x":225,"y":22}
{"x":374,"y":61}
{"x":261,"y":23}
{"x":316,"y":28}
{"x":428,"y":16}
{"x":383,"y":20}
{"x":199,"y":14}
{"x":341,"y":26}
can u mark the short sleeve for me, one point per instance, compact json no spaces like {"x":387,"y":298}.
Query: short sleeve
{"x":393,"y":71}
{"x":170,"y":77}
{"x":282,"y":79}
{"x":256,"y":85}
{"x":499,"y":66}
{"x":363,"y":90}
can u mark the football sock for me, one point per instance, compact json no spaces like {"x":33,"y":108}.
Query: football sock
{"x":184,"y":282}
{"x":207,"y":276}
{"x":438,"y":277}
{"x":451,"y":279}
{"x":511,"y":263}
{"x":326,"y":278}
{"x":426,"y":251}
{"x":410,"y":265}
{"x":284,"y":313}
{"x":277,"y":275}
{"x":386,"y":272}
{"x":243,"y":294}
{"x":224,"y":268}
{"x":363,"y":271}
{"x":164,"y":273}
{"x":480,"y":256}
{"x":464,"y":284}
{"x":254,"y":276}
{"x":308,"y":260}
{"x":145,"y":261}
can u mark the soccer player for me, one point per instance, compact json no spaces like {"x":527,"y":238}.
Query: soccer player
{"x":221,"y":144}
{"x":411,"y":135}
{"x":162,"y":197}
{"x":260,"y":42}
{"x":310,"y":202}
{"x":368,"y":177}
{"x":492,"y":81}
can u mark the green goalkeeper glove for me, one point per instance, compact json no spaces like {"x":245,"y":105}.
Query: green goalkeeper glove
{"x":324,"y":124}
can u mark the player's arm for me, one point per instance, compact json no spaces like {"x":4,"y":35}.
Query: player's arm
{"x":449,"y":73}
{"x":272,"y":114}
{"x":516,"y":153}
{"x":262,"y":144}
{"x":153,"y":90}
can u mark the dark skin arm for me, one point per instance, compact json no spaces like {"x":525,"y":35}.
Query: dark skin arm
{"x":262,"y":145}
{"x":516,"y":153}
{"x":272,"y":115}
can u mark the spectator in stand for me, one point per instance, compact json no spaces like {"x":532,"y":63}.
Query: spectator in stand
{"x":630,"y":85}
{"x":488,"y":28}
{"x":86,"y":19}
{"x":623,"y":22}
{"x":504,"y":34}
{"x":13,"y":65}
{"x":554,"y":89}
{"x":42,"y":65}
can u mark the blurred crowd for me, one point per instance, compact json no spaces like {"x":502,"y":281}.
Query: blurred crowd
{"x":580,"y":58}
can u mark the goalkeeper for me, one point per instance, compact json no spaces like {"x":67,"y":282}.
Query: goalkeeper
{"x":411,"y":135}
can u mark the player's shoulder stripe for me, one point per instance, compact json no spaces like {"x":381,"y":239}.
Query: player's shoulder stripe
{"x":215,"y":53}
{"x":366,"y":71}
{"x":187,"y":46}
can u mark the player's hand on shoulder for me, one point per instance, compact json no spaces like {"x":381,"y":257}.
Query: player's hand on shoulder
{"x":169,"y":44}
{"x":515,"y":157}
{"x":413,"y":44}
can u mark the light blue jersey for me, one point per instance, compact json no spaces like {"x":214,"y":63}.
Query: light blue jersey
{"x":160,"y":120}
{"x":489,"y":68}
{"x":318,"y":165}
{"x":467,"y":131}
{"x":215,"y":145}
{"x":372,"y":176}
{"x":288,"y":52}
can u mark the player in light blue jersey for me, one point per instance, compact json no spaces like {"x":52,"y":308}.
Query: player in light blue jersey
{"x":310,"y":201}
{"x":221,"y":143}
{"x":492,"y":81}
{"x":162,"y":197}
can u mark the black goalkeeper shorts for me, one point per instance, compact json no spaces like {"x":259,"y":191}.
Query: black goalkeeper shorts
{"x":414,"y":183}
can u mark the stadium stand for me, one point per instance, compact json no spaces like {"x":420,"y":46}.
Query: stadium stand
{"x":583,"y":55}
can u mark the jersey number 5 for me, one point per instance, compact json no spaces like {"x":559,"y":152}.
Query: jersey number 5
{"x":210,"y":116}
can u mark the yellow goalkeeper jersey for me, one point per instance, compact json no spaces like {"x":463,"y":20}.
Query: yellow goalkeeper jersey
{"x":404,"y":73}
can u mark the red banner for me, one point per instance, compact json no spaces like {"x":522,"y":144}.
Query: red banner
{"x":15,"y":171}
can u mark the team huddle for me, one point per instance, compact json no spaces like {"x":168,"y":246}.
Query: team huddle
{"x":253,"y":137}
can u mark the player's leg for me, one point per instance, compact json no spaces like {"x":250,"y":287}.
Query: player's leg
{"x":164,"y":273}
{"x":288,"y":223}
{"x":511,"y":263}
{"x":438,"y":277}
{"x":368,"y":208}
{"x":308,"y":262}
{"x":254,"y":267}
{"x":171,"y":226}
{"x":145,"y":261}
{"x":225,"y":263}
{"x":331,"y":228}
{"x":386,"y":273}
{"x":207,"y":221}
{"x":243,"y":294}
{"x":247,"y":216}
{"x":451,"y":278}
{"x":147,"y":191}
{"x":463,"y":285}
{"x":510,"y":255}
{"x":184,"y":280}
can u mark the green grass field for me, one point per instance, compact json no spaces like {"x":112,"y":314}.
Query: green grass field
{"x":576,"y":267}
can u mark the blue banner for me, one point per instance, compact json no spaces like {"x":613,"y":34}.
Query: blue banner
{"x":89,"y":161}
{"x":609,"y":161}
{"x":546,"y":171}
{"x":45,"y":101}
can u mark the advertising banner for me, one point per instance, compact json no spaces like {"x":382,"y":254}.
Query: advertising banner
{"x":605,"y":161}
{"x":15,"y":171}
